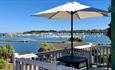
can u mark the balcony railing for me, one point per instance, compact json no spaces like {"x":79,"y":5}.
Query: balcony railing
{"x":97,"y":55}
{"x":27,"y":64}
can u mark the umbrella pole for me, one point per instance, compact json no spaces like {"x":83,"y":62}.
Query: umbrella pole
{"x":72,"y":34}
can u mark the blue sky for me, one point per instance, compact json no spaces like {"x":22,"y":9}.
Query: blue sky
{"x":15,"y":16}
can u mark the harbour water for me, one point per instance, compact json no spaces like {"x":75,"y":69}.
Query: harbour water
{"x":32,"y":47}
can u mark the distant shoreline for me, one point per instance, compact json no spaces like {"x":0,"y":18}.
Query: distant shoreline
{"x":49,"y":32}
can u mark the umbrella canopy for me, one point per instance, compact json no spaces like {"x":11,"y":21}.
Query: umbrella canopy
{"x":79,"y":10}
{"x":72,"y":10}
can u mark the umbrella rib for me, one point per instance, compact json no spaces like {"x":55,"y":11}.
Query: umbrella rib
{"x":54,"y":14}
{"x":77,"y":14}
{"x":74,"y":13}
{"x":68,"y":12}
{"x":104,"y":14}
{"x":71,"y":11}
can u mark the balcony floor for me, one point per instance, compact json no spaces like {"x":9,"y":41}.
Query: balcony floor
{"x":99,"y":68}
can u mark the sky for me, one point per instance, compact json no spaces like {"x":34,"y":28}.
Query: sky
{"x":15,"y":16}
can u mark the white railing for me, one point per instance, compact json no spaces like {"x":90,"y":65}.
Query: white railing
{"x":94,"y":54}
{"x":27,"y":64}
{"x":100,"y":55}
{"x":53,"y":55}
{"x":97,"y":54}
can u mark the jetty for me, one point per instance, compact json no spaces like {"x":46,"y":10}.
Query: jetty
{"x":18,"y":41}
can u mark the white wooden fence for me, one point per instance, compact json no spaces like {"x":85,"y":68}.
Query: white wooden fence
{"x":94,"y":54}
{"x":27,"y":64}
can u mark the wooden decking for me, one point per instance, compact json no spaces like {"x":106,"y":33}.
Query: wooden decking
{"x":95,"y":68}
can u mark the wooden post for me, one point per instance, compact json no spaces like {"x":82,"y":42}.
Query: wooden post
{"x":22,"y":66}
{"x":34,"y":67}
{"x":17,"y":65}
{"x":26,"y":67}
{"x":14,"y":63}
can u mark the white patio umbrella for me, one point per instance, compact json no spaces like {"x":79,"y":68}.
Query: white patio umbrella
{"x":72,"y":10}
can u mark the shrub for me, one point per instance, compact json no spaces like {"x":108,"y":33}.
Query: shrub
{"x":44,"y":47}
{"x":75,"y":39}
{"x":6,"y":51}
{"x":9,"y":50}
{"x":3,"y":64}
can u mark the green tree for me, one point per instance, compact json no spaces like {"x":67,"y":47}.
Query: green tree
{"x":109,"y":29}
